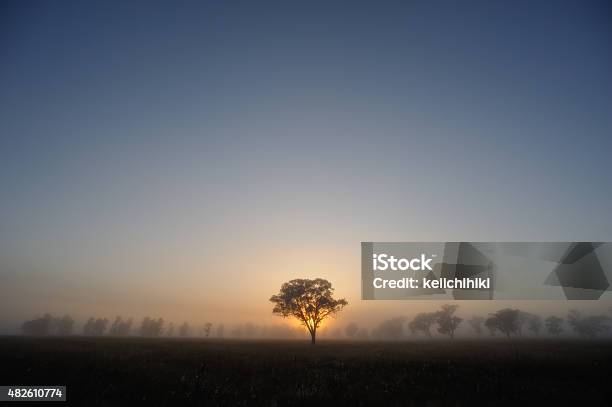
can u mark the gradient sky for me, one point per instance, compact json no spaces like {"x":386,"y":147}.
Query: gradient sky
{"x":183,"y":159}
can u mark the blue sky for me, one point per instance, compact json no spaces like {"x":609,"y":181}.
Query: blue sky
{"x":177,"y":142}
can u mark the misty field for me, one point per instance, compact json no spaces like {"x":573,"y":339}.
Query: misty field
{"x":113,"y":371}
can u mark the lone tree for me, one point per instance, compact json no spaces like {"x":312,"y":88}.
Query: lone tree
{"x":309,"y":301}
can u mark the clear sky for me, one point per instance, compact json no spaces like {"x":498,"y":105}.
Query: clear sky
{"x":183,"y":159}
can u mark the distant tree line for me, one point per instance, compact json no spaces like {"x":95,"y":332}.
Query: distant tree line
{"x":149,"y":327}
{"x":507,"y":322}
{"x":95,"y":326}
{"x":157,"y":327}
{"x":49,"y":325}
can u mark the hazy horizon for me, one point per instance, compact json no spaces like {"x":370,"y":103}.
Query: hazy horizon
{"x":185,"y":161}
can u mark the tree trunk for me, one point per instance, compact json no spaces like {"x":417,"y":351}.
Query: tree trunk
{"x":313,"y":335}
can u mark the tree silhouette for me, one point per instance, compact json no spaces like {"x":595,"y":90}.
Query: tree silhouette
{"x":184,"y":330}
{"x":589,"y":326}
{"x":48,"y":325}
{"x":64,"y":325}
{"x":534,"y":323}
{"x":351,"y":330}
{"x":523,"y":318}
{"x":390,"y":329}
{"x":206,"y":329}
{"x":506,"y":320}
{"x":152,"y":327}
{"x":476,"y":324}
{"x":491,"y":324}
{"x":100,"y":326}
{"x":309,"y":301}
{"x":89,"y":326}
{"x":422,"y":323}
{"x":95,"y":326}
{"x":120,"y":327}
{"x":38,"y":326}
{"x":554,"y":325}
{"x":447,"y":320}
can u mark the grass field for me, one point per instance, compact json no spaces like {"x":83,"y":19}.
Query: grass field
{"x":113,"y":371}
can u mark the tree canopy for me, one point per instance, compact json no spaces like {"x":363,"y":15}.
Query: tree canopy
{"x":447,"y":320}
{"x":309,"y":301}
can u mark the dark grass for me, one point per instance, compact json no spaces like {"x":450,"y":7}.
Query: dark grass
{"x":124,"y":371}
